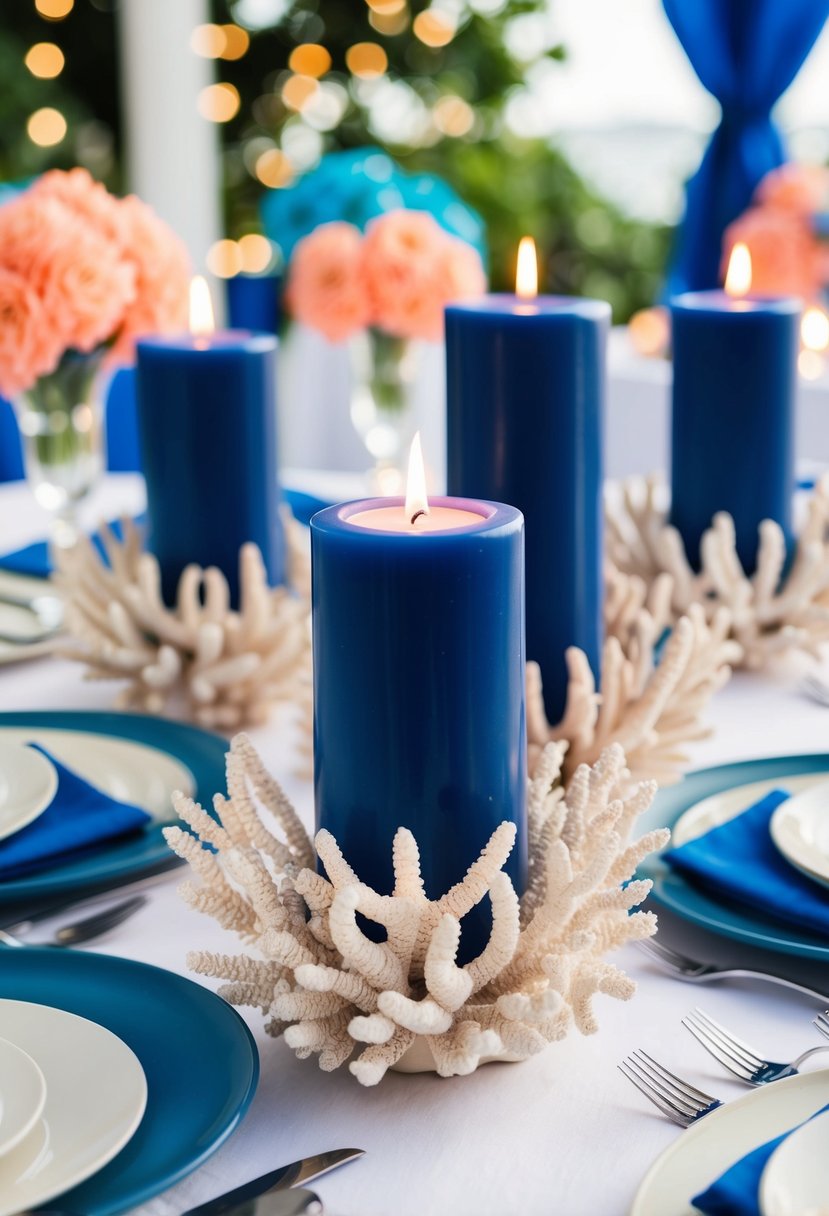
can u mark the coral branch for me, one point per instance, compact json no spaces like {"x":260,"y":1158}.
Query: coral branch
{"x":224,"y":667}
{"x":773,"y":610}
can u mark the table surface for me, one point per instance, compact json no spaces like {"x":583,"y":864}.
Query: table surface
{"x":560,"y":1135}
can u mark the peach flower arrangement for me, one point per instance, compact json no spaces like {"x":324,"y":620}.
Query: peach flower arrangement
{"x":787,"y":257}
{"x":397,"y":278}
{"x":81,"y":270}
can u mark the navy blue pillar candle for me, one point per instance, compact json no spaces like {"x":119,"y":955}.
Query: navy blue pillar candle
{"x":419,"y":717}
{"x":732,"y":429}
{"x":253,"y":302}
{"x":525,"y":402}
{"x":207,"y":430}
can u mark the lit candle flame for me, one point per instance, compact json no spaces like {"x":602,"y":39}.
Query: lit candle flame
{"x":526,"y":270}
{"x":738,"y":275}
{"x":201,"y":307}
{"x":417,"y":502}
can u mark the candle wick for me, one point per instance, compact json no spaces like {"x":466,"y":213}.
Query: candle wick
{"x":417,"y":515}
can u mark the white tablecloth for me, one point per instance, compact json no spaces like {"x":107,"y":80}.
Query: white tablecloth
{"x":561,"y":1135}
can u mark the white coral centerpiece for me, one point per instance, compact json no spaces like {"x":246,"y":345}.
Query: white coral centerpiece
{"x":779,"y":608}
{"x":223,"y":667}
{"x":650,"y":703}
{"x":324,"y":985}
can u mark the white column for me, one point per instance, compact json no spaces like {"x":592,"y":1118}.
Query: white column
{"x":172,"y":152}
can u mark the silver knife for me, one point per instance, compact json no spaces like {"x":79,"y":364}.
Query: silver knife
{"x":266,"y":1196}
{"x":244,"y":1198}
{"x":295,"y":1202}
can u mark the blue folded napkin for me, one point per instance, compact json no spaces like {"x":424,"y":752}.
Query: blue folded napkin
{"x":736,"y":1193}
{"x":34,"y":560}
{"x":739,"y":862}
{"x":79,"y":818}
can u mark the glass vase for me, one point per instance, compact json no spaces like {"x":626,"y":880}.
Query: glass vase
{"x":61,"y":421}
{"x":384,"y":372}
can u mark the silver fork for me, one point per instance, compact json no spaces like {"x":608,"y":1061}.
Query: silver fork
{"x":682,"y":1102}
{"x":86,"y":930}
{"x":822,"y":1023}
{"x":740,"y":1059}
{"x":694,"y":972}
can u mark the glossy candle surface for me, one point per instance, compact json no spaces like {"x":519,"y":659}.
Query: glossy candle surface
{"x":419,"y":692}
{"x":525,"y":400}
{"x":732,"y":444}
{"x":207,"y":427}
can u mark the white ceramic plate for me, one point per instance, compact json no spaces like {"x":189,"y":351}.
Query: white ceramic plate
{"x":701,"y":1154}
{"x":95,"y":1098}
{"x":796,"y":1178}
{"x":27,"y":785}
{"x":22,"y":1095}
{"x":720,"y":808}
{"x":800,"y":830}
{"x":130,"y":772}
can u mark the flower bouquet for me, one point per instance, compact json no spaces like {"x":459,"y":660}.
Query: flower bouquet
{"x":383,"y":291}
{"x":785,"y":230}
{"x":781,"y":229}
{"x":82,"y":275}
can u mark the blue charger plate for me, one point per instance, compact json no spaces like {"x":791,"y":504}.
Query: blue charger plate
{"x":198,"y":1056}
{"x":198,"y":750}
{"x":674,"y":891}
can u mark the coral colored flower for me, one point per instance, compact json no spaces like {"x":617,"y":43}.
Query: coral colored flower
{"x":90,"y":201}
{"x":28,"y":346}
{"x":82,"y":281}
{"x":162,"y":271}
{"x":785,"y":257}
{"x":327,"y":288}
{"x":413,"y":269}
{"x":464,"y":272}
{"x":803,"y":189}
{"x":95,"y":269}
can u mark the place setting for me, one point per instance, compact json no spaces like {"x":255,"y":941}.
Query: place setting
{"x":414,"y":591}
{"x":746,"y":860}
{"x":754,"y":1154}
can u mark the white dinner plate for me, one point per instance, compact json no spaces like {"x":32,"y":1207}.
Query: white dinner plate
{"x":22,"y":1095}
{"x":27,"y":785}
{"x":796,"y":1178}
{"x":800,"y":830}
{"x":95,"y":1097}
{"x":130,"y":772}
{"x":708,"y":1148}
{"x":720,"y":808}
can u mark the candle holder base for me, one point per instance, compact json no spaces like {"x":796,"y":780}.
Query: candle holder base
{"x":330,"y":990}
{"x":783,"y":606}
{"x":220,"y":667}
{"x":420,"y":1058}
